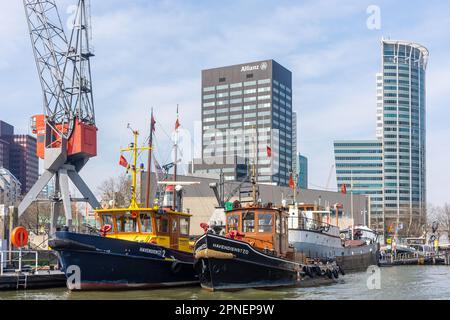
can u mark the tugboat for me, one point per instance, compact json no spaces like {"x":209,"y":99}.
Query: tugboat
{"x":312,"y":233}
{"x":255,"y":252}
{"x":135,"y":248}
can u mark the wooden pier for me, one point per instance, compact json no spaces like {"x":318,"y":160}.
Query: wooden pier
{"x":442,"y":258}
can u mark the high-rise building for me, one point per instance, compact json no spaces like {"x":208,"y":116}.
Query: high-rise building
{"x":18,"y":155}
{"x":295,"y":160}
{"x":302,"y":172}
{"x":401,"y":134}
{"x":404,"y":133}
{"x":247,"y":113}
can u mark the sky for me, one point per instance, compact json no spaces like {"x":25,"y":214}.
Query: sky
{"x":151,"y":53}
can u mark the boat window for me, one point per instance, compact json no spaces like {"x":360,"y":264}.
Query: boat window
{"x":248,"y":221}
{"x":162,"y":224}
{"x":233,"y":223}
{"x":146,"y":223}
{"x":265,"y":222}
{"x":278,"y":224}
{"x":107,"y":219}
{"x":283,"y":225}
{"x":127,"y":223}
{"x":184,"y":226}
{"x":174,"y":225}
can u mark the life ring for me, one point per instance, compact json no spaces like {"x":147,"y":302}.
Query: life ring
{"x":19,"y":237}
{"x":329,"y":274}
{"x":105,"y":229}
{"x":308,"y":272}
{"x":176,"y":267}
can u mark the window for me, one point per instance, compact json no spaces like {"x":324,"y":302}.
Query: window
{"x":236,"y":85}
{"x":108,"y":219}
{"x":264,"y":81}
{"x":209,"y":89}
{"x":222,"y":87}
{"x":222,"y":79}
{"x":126,"y":223}
{"x":265,"y":222}
{"x":250,"y":76}
{"x":174,"y":225}
{"x":233,"y":223}
{"x":146,"y":222}
{"x":248,"y":220}
{"x":162,"y":224}
{"x":249,"y":83}
{"x":184,"y":226}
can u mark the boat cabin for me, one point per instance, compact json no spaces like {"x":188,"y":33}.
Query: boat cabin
{"x":161,"y":227}
{"x":263,"y":228}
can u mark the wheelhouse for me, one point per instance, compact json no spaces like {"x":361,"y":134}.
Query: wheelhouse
{"x":263,"y":228}
{"x":161,"y":227}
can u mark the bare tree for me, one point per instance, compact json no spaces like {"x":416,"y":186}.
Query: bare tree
{"x":36,"y":217}
{"x":117,"y":189}
{"x":440,"y":215}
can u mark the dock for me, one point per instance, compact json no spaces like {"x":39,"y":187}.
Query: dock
{"x":414,"y":259}
{"x":22,"y":270}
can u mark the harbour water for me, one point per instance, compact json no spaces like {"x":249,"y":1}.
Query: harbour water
{"x":396,"y":283}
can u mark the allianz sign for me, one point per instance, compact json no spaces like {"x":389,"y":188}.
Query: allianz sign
{"x":263,"y":66}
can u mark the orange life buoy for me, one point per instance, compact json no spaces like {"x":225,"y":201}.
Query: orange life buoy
{"x":19,"y":237}
{"x":105,"y":229}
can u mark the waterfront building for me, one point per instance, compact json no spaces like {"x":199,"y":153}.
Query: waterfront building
{"x":359,"y":167}
{"x":401,"y":131}
{"x":18,"y":155}
{"x":302,"y":172}
{"x":295,"y":160}
{"x":247,"y":111}
{"x":10,"y":188}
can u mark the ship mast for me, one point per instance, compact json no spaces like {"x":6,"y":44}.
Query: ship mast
{"x":149,"y":163}
{"x":133,"y":149}
{"x":177,"y":125}
{"x":254,"y":187}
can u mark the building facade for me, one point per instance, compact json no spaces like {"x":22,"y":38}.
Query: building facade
{"x":401,"y":133}
{"x":404,"y":133}
{"x":302,"y":172}
{"x":247,"y":109}
{"x":359,"y":166}
{"x":18,"y":155}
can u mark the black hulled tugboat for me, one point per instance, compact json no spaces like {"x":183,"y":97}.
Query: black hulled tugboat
{"x":255,"y":253}
{"x":135,"y":248}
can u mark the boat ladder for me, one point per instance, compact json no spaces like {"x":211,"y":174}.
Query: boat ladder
{"x":22,"y":280}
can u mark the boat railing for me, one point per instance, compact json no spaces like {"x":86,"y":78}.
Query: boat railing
{"x":12,"y":258}
{"x":301,"y":223}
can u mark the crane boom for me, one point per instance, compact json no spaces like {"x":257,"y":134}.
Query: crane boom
{"x":66,"y":132}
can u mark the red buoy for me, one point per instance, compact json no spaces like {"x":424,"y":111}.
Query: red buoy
{"x":19,"y":237}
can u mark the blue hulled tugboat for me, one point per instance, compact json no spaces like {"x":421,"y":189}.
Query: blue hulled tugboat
{"x":135,"y":248}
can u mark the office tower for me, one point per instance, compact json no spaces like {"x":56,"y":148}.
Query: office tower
{"x":302,"y":172}
{"x":399,"y":206}
{"x":404,"y":134}
{"x":247,"y":114}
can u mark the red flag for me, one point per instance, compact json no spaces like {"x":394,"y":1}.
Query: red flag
{"x":123,"y":162}
{"x":269,"y":151}
{"x":291,"y":182}
{"x":344,"y":189}
{"x":177,"y":124}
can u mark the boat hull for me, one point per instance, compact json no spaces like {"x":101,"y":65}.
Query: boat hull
{"x":323,"y":246}
{"x":112,"y":264}
{"x":227,"y":264}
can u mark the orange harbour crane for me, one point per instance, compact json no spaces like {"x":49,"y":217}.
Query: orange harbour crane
{"x":66,"y":131}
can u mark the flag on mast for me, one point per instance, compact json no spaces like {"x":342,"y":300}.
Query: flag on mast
{"x":344,"y":189}
{"x":269,"y":151}
{"x":177,"y":124}
{"x":153,"y":123}
{"x":291,"y":182}
{"x":123,"y":162}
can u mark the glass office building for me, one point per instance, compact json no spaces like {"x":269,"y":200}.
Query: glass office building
{"x":359,"y":166}
{"x":302,"y":172}
{"x":399,"y":206}
{"x":404,"y":134}
{"x":247,"y":108}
